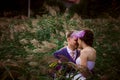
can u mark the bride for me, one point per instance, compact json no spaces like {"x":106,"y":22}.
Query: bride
{"x":87,"y":55}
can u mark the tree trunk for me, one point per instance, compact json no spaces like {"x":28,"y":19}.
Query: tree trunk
{"x":28,"y":8}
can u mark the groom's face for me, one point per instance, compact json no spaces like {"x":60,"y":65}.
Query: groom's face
{"x":73,"y":42}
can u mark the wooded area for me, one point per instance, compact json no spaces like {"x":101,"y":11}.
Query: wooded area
{"x":85,"y":8}
{"x":31,"y":30}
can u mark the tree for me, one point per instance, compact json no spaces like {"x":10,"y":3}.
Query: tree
{"x":28,"y":8}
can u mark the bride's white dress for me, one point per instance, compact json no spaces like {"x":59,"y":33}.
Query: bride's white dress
{"x":90,"y":65}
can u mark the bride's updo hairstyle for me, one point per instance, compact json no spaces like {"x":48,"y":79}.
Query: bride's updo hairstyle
{"x":86,"y":36}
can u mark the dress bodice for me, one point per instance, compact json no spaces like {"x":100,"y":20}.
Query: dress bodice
{"x":90,"y":64}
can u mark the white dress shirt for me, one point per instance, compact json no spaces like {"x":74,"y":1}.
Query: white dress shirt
{"x":70,"y":53}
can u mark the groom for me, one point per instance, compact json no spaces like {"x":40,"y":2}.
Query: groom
{"x":70,"y":52}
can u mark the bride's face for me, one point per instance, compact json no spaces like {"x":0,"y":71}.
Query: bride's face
{"x":80,"y":43}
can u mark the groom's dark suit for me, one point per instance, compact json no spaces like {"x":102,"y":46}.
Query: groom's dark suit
{"x":65,"y":53}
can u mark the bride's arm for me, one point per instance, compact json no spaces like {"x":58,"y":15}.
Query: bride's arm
{"x":83,"y":64}
{"x":83,"y":58}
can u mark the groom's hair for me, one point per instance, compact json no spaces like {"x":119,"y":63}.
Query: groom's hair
{"x":68,"y":34}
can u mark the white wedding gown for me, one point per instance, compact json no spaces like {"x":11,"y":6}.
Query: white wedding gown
{"x":90,"y":65}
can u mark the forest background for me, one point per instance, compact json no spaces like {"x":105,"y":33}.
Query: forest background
{"x":28,"y":39}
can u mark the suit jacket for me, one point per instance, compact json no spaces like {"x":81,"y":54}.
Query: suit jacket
{"x":65,"y":53}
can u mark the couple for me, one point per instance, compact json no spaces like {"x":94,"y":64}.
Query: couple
{"x":79,"y":51}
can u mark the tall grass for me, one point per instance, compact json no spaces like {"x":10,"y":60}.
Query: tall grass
{"x":29,"y":41}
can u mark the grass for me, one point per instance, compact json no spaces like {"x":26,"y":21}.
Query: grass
{"x":28,"y":42}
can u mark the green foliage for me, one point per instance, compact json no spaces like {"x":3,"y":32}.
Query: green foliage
{"x":46,"y":26}
{"x":30,"y":34}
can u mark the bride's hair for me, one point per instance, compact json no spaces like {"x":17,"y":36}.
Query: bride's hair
{"x":87,"y":36}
